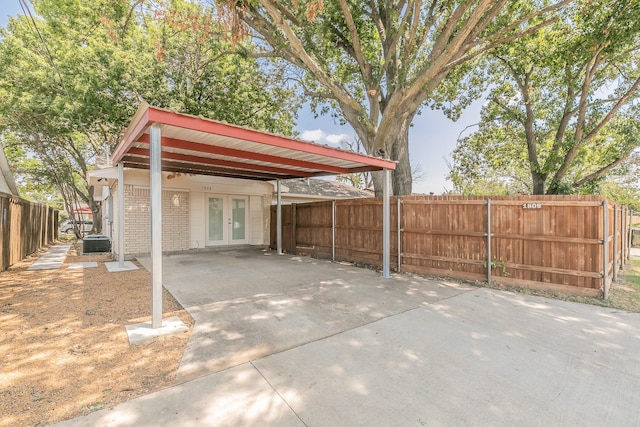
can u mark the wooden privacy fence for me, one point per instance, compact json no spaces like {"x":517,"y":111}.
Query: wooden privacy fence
{"x":25,"y":227}
{"x":574,"y":244}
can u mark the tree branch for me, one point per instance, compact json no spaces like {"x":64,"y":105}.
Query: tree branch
{"x":621,"y":102}
{"x":600,"y":172}
{"x":300,"y":55}
{"x":365,"y":68}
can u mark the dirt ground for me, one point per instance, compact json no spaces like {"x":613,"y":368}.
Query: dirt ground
{"x":63,"y":344}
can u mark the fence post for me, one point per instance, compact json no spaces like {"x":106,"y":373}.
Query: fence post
{"x":4,"y":235}
{"x":333,"y":231}
{"x":399,"y":215}
{"x":488,"y":240}
{"x":615,"y":243}
{"x":623,"y":237}
{"x":629,"y":234}
{"x":294,"y":222}
{"x":605,"y":249}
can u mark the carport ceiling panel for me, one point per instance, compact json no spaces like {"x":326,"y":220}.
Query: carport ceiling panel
{"x":187,"y":159}
{"x":203,"y":170}
{"x":198,"y":149}
{"x":179,"y":137}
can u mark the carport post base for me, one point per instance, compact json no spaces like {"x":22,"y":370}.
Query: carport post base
{"x":142,"y":332}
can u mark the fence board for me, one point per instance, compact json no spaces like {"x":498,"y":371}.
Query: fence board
{"x":556,"y":242}
{"x":25,"y":227}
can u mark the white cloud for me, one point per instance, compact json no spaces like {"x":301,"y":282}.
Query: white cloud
{"x":320,"y":137}
{"x":312,"y":135}
{"x":336,"y":138}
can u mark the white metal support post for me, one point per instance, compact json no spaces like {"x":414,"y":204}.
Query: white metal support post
{"x":333,"y":231}
{"x":386,"y":224}
{"x":155,"y":161}
{"x":278,"y":218}
{"x":121,"y":215}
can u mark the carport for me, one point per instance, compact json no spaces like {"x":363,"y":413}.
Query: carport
{"x":162,"y":140}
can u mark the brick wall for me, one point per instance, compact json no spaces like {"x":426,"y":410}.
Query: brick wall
{"x":266,"y":227}
{"x":137,"y":227}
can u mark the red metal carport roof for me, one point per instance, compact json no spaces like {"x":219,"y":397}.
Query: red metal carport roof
{"x":197,"y":145}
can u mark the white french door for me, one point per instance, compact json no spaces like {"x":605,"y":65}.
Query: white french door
{"x":227,"y":220}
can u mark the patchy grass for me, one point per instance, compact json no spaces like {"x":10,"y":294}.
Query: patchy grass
{"x":624,"y":294}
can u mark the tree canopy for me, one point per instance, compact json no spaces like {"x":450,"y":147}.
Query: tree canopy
{"x":562,"y":107}
{"x":376,"y":63}
{"x":75,"y":71}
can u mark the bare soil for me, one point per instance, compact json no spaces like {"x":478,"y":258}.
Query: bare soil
{"x":63,"y":345}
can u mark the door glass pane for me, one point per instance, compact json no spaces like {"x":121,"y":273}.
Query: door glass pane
{"x":216,"y":219}
{"x":238,"y":216}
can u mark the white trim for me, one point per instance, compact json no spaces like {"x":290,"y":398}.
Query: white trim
{"x":8,"y":174}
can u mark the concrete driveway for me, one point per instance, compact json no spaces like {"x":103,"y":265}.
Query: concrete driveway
{"x":250,"y":303}
{"x":282,"y":341}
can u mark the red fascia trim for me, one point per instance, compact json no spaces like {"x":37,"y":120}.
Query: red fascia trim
{"x":185,"y":158}
{"x":208,"y":126}
{"x":232,"y":152}
{"x":198,"y":169}
{"x":131,"y":137}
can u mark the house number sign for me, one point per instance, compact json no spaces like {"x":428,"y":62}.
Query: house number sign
{"x":532,"y":206}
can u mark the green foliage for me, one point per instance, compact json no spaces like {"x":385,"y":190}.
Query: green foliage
{"x":499,"y":266}
{"x":623,"y":185}
{"x":71,"y":83}
{"x":563,"y":106}
{"x":375,"y":64}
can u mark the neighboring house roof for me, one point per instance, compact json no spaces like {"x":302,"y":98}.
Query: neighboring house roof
{"x":7,"y":183}
{"x":307,"y":189}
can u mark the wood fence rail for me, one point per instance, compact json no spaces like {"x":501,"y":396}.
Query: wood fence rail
{"x":25,"y":227}
{"x":574,"y":244}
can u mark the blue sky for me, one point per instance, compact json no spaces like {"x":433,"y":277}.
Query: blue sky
{"x":431,"y":139}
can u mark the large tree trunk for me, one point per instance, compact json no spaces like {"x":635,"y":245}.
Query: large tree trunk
{"x":401,"y":177}
{"x":397,"y":143}
{"x":538,"y":181}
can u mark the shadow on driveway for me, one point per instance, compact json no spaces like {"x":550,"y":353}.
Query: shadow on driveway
{"x":302,"y":342}
{"x":250,"y":303}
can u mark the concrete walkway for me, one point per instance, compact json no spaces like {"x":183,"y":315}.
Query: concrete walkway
{"x":52,"y":259}
{"x":344,"y":347}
